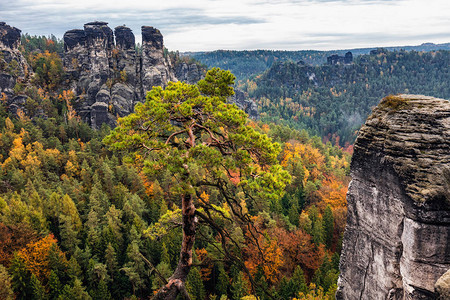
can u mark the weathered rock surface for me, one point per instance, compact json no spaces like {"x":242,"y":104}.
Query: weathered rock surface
{"x":13,"y":66}
{"x":338,"y":60}
{"x":190,"y":73}
{"x":109,"y":77}
{"x":97,"y":59}
{"x":396,"y":243}
{"x":242,"y":100}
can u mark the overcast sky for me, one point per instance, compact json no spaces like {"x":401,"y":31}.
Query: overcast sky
{"x":196,"y":25}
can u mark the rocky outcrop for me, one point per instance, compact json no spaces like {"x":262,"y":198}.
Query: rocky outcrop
{"x":13,"y":67}
{"x":242,"y":100}
{"x":338,"y":60}
{"x":156,"y":69}
{"x":109,"y":77}
{"x":188,"y":72}
{"x":107,"y":74}
{"x":396,"y":243}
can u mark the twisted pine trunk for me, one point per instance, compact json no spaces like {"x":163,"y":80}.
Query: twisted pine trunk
{"x":176,"y":283}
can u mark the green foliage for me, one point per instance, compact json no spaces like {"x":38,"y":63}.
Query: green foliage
{"x":6,"y":291}
{"x":37,"y":288}
{"x":41,"y":43}
{"x":237,"y":288}
{"x":48,"y":69}
{"x":75,"y":292}
{"x":328,"y":226}
{"x":194,"y":285}
{"x":57,"y":177}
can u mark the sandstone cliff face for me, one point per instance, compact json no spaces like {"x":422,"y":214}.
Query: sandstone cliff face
{"x":396,"y":243}
{"x":13,"y":66}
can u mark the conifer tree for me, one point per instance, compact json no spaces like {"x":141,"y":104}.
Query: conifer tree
{"x":238,"y":287}
{"x":222,"y":281}
{"x":328,"y":226}
{"x":38,"y":289}
{"x":204,"y":142}
{"x":54,"y":286}
{"x":298,"y":282}
{"x":6,"y":291}
{"x":194,"y":285}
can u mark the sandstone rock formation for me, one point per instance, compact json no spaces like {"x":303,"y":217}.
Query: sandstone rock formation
{"x":108,"y":76}
{"x":396,"y":243}
{"x":104,"y":72}
{"x":13,"y":66}
{"x":338,"y":60}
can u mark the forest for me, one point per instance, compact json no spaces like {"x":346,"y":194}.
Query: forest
{"x":247,"y":64}
{"x":83,"y":218}
{"x":332,"y":101}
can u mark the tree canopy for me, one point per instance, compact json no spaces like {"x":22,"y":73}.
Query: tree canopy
{"x":206,"y":144}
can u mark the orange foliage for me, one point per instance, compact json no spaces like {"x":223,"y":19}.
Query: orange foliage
{"x":67,"y":97}
{"x":333,"y":192}
{"x":13,"y":238}
{"x":36,"y":256}
{"x":298,"y":249}
{"x":207,"y":266}
{"x":148,"y":185}
{"x":266,"y":254}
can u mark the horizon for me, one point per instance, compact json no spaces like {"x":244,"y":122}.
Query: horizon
{"x":210,"y":25}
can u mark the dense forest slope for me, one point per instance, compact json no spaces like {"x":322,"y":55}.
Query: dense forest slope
{"x":333,"y":100}
{"x":245,"y":64}
{"x":79,"y":222}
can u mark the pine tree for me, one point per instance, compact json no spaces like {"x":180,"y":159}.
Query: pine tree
{"x":111,"y":260}
{"x":317,"y":231}
{"x":74,"y":269}
{"x":135,"y":268}
{"x":194,"y":285}
{"x":6,"y":291}
{"x":238,"y":287}
{"x":20,"y":278}
{"x":328,"y":226}
{"x":38,"y":289}
{"x":298,"y":282}
{"x":285,"y":289}
{"x":294,"y":215}
{"x":222,"y":281}
{"x":54,"y":286}
{"x":101,"y":292}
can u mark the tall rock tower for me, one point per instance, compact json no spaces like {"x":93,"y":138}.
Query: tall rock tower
{"x":397,"y":239}
{"x":107,"y":74}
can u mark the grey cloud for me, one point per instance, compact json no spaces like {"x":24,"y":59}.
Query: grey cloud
{"x":328,"y":40}
{"x":57,"y":19}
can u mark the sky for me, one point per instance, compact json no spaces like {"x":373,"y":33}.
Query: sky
{"x":206,"y":25}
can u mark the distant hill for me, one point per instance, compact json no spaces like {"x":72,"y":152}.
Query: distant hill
{"x":245,"y":64}
{"x":333,"y":100}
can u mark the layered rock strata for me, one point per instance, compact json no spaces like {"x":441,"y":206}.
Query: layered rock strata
{"x":396,"y":244}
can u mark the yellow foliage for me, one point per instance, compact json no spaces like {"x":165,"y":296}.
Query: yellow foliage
{"x":204,"y":197}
